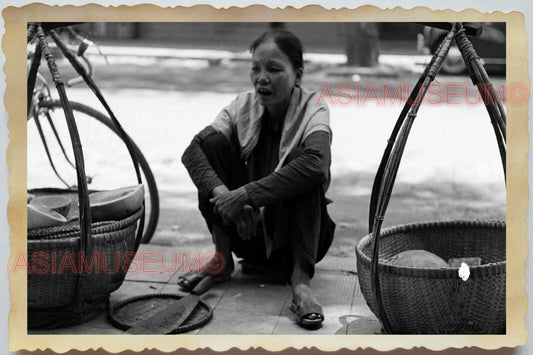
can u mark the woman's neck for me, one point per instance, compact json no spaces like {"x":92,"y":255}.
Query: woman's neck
{"x":277,"y":114}
{"x":276,"y":117}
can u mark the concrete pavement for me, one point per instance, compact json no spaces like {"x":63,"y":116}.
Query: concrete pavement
{"x":247,"y":304}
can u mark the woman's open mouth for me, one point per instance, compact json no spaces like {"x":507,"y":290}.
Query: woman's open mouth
{"x":263,"y":91}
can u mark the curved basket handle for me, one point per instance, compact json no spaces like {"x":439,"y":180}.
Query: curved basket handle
{"x":32,"y":78}
{"x":388,"y":169}
{"x":481,"y":80}
{"x":393,"y":158}
{"x":80,"y":69}
{"x":392,"y":139}
{"x":83,"y":193}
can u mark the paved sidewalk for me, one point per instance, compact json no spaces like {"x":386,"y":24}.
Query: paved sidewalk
{"x":247,"y":304}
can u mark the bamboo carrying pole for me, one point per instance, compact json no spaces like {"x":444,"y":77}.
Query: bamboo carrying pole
{"x":78,"y":304}
{"x":392,"y":139}
{"x":391,"y":169}
{"x":481,"y":80}
{"x":127,"y":140}
{"x":83,"y":193}
{"x":387,"y":172}
{"x":32,"y":77}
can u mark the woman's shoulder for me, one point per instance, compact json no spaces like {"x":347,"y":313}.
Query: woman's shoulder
{"x":312,"y":98}
{"x":245,"y":106}
{"x":248,"y":96}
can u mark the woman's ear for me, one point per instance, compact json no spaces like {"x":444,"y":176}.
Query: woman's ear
{"x":299,"y":74}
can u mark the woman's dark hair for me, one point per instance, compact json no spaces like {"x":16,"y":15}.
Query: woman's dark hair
{"x":287,"y":42}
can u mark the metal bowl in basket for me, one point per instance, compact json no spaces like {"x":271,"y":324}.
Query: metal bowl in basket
{"x":55,"y":261}
{"x":438,"y":301}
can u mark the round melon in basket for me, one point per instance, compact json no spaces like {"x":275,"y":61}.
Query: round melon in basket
{"x":424,"y":300}
{"x":418,"y":258}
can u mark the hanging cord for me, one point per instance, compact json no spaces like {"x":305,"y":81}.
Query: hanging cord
{"x":80,"y":69}
{"x":83,"y":195}
{"x":481,"y":80}
{"x":32,"y":77}
{"x":392,"y":139}
{"x":37,"y":118}
{"x":46,"y":149}
{"x":391,"y":169}
{"x":474,"y":61}
{"x":90,"y":82}
{"x":59,"y":142}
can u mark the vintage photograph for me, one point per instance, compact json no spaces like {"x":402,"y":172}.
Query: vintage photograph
{"x":317,"y":178}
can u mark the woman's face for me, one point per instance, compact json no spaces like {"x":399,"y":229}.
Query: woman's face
{"x":273,"y":76}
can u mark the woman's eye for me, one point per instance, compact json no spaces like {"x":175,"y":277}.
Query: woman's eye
{"x":275,"y":69}
{"x":255,"y":69}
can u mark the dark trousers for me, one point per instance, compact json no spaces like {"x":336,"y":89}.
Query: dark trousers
{"x":298,"y":224}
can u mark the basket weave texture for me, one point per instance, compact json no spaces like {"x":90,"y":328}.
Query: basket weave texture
{"x":133,"y":310}
{"x":55,"y":261}
{"x":438,"y":301}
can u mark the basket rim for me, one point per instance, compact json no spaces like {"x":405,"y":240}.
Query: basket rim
{"x":37,"y":235}
{"x":444,"y":273}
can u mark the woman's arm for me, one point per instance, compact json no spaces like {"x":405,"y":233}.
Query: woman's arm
{"x":304,"y":172}
{"x":210,"y":185}
{"x":202,"y":173}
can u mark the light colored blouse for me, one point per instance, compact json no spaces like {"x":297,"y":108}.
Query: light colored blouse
{"x":305,"y":115}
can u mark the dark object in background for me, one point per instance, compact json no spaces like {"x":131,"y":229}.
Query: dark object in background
{"x":362,"y":44}
{"x":490,"y":46}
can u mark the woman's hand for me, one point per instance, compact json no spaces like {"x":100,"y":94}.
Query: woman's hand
{"x":228,"y":205}
{"x":246,"y":222}
{"x":219,"y":190}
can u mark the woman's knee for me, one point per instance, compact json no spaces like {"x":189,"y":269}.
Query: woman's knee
{"x":307,"y":200}
{"x":214,"y":143}
{"x":224,"y":157}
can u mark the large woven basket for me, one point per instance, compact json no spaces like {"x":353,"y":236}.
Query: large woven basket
{"x":73,"y":268}
{"x":438,"y":301}
{"x":55,"y":261}
{"x":417,"y":300}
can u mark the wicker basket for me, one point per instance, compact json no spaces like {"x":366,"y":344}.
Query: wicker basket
{"x":415,"y":300}
{"x":73,"y":268}
{"x":55,"y":261}
{"x":438,"y":301}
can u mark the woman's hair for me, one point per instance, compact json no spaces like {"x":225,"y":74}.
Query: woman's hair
{"x":287,"y":42}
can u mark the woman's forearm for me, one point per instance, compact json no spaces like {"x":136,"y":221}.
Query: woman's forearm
{"x":195,"y":161}
{"x":301,"y":174}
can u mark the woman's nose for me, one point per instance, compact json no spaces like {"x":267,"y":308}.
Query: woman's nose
{"x":263,"y":78}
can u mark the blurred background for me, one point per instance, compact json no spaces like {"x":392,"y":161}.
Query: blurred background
{"x":361,"y":42}
{"x":166,"y":81}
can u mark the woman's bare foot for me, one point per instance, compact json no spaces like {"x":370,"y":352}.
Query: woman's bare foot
{"x":220,"y":266}
{"x":220,"y":270}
